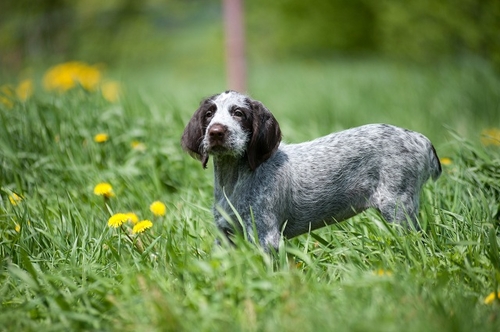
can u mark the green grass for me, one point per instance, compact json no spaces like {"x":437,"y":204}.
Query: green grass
{"x":66,"y":270}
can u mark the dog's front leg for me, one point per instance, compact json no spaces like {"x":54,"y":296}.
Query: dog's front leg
{"x":267,"y":231}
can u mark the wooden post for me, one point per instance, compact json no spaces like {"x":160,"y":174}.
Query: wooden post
{"x":235,"y":45}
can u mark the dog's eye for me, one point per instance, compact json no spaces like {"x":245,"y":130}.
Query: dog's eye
{"x":209,"y":113}
{"x":238,"y":113}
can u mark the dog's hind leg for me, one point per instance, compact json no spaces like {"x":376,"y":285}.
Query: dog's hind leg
{"x":402,"y":211}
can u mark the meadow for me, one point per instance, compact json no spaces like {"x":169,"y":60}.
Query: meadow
{"x":82,"y":148}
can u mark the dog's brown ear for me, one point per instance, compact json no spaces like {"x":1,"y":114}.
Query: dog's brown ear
{"x":192,"y":137}
{"x":266,"y":135}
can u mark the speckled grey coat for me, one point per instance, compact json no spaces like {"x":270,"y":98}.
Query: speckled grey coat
{"x":291,"y":189}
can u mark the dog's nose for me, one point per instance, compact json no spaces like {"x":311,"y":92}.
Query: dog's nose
{"x":217,"y":131}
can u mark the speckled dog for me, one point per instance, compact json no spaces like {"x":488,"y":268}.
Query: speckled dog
{"x":291,"y":189}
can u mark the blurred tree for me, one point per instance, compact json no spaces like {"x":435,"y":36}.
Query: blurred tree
{"x":423,"y":31}
{"x":33,"y":28}
{"x":427,"y":30}
{"x":190,"y":31}
{"x":235,"y":44}
{"x":321,"y":28}
{"x":97,"y":31}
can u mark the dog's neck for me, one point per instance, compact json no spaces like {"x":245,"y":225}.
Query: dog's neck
{"x":229,"y":171}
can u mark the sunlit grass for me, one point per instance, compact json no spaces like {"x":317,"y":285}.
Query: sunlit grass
{"x":64,"y":265}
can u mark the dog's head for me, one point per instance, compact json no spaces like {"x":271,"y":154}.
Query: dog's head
{"x":231,"y":124}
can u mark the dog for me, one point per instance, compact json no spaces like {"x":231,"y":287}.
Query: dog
{"x":280,"y":189}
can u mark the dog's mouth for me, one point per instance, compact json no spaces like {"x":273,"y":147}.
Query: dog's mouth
{"x":217,"y":148}
{"x":227,"y":145}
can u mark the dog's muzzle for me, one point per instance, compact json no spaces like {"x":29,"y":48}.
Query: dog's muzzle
{"x":217,"y":136}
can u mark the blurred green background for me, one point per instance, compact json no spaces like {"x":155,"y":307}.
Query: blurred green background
{"x":427,"y":65}
{"x":189,"y":33}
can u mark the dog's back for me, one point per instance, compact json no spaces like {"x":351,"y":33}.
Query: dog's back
{"x":339,"y":175}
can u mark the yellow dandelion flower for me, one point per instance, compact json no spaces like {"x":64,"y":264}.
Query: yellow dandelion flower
{"x":15,"y":199}
{"x":141,"y":226}
{"x":89,"y":77}
{"x":104,"y":189}
{"x":6,"y":96}
{"x":111,"y":91}
{"x":136,"y":145}
{"x":17,"y":228}
{"x":6,"y":102}
{"x":490,"y":136}
{"x":7,"y":90}
{"x":101,"y":138}
{"x":491,"y":297}
{"x":117,"y":220}
{"x":25,"y":89}
{"x":445,"y":161}
{"x":61,"y":77}
{"x":382,"y":272}
{"x":132,"y":217}
{"x":67,"y":75}
{"x":158,"y":208}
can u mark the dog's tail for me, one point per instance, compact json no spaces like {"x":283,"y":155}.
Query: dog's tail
{"x":435,"y":164}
